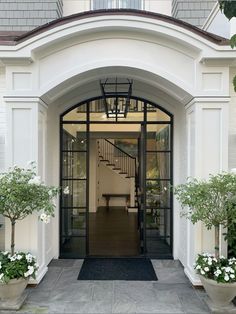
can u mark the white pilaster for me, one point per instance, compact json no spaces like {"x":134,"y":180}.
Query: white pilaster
{"x":26,"y":141}
{"x":207,"y":146}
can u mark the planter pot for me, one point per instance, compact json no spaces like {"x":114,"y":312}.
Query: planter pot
{"x":12,"y":294}
{"x":221,"y":294}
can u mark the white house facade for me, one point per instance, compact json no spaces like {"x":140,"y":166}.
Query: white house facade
{"x":180,"y":113}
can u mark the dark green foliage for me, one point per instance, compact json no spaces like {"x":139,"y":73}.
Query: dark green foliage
{"x":233,"y":41}
{"x":234,"y":82}
{"x":211,"y":202}
{"x":228,"y":8}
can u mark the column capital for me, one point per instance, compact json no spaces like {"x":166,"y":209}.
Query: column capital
{"x":207,"y":100}
{"x":25,"y":100}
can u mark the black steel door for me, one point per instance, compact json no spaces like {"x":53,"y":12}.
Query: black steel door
{"x":141,"y":188}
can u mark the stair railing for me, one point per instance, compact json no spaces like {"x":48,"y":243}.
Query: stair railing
{"x":117,"y":158}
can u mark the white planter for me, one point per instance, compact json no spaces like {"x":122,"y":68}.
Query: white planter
{"x":12,"y":294}
{"x":221,"y":294}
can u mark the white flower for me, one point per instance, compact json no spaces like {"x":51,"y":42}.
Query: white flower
{"x":26,"y":274}
{"x":5,"y":253}
{"x":232,"y":276}
{"x":30,"y":163}
{"x":198,"y":267}
{"x":19,"y":257}
{"x":206,"y":269}
{"x":36,"y":180}
{"x":202,"y":272}
{"x":45,"y":218}
{"x":217,"y":272}
{"x":226,"y":278}
{"x":30,"y":270}
{"x":66,"y":190}
{"x":13,"y":258}
{"x":29,"y":257}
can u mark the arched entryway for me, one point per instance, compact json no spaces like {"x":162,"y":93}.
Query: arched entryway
{"x":50,"y":69}
{"x":116,"y":174}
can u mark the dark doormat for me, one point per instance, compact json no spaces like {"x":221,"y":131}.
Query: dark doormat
{"x":117,"y":269}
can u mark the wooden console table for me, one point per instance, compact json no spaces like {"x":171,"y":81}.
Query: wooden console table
{"x":108,"y":196}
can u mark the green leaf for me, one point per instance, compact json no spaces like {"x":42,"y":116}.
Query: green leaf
{"x":234,"y":83}
{"x":228,"y":8}
{"x":233,"y":41}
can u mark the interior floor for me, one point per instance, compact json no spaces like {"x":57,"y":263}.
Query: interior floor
{"x":113,"y":232}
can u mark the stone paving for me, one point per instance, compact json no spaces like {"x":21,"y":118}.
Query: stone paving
{"x":61,"y":292}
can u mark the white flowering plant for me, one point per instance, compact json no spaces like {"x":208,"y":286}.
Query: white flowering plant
{"x":219,"y":269}
{"x":16,"y":266}
{"x":22,"y":193}
{"x":212,"y":202}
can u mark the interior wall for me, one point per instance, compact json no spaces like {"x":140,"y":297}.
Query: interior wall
{"x":111,"y":182}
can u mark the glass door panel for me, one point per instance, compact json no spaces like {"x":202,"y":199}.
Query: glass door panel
{"x":158,"y":165}
{"x":158,"y":137}
{"x":74,"y":188}
{"x":158,"y":196}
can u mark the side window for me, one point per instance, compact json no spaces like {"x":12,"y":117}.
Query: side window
{"x":102,"y":4}
{"x":117,"y":4}
{"x":130,"y":4}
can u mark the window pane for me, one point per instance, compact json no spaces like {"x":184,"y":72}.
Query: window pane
{"x":74,"y":193}
{"x":158,"y":137}
{"x":156,"y":114}
{"x":77,"y":114}
{"x":74,"y":137}
{"x":102,"y":4}
{"x":73,"y":222}
{"x":73,"y":246}
{"x":115,"y":4}
{"x":158,"y":165}
{"x":157,"y":194}
{"x":74,"y":165}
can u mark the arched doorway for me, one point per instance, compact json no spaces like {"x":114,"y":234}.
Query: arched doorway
{"x":116,"y":174}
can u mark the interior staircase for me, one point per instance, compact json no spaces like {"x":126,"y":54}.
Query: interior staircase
{"x":120,"y":162}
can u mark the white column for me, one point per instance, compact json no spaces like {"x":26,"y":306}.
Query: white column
{"x":26,"y":141}
{"x":207,"y":146}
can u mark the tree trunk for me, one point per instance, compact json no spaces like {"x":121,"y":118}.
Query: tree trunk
{"x":217,"y":240}
{"x":13,"y":222}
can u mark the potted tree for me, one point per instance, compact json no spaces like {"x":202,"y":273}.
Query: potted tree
{"x":21,"y":194}
{"x":212,"y":202}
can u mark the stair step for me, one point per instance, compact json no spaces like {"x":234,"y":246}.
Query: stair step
{"x":122,"y":172}
{"x":104,"y":160}
{"x":116,"y":169}
{"x":111,"y":165}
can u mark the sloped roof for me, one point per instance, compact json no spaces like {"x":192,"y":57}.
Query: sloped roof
{"x":14,"y":38}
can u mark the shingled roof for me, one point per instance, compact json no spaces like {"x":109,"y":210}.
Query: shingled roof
{"x":14,"y":38}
